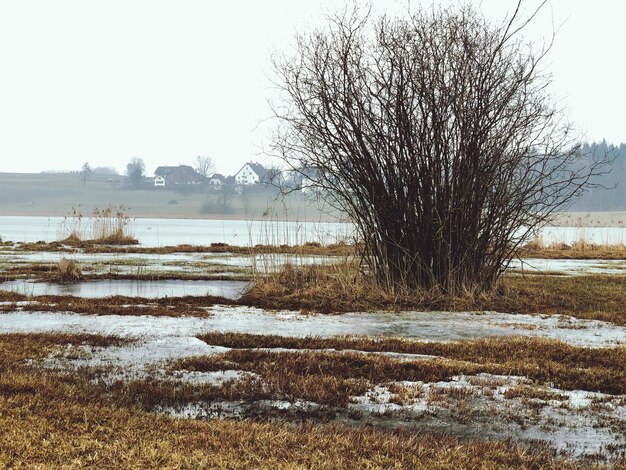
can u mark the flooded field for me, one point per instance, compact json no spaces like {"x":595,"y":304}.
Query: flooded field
{"x":128,"y":288}
{"x":163,"y":232}
{"x":172,"y":333}
{"x":423,"y":326}
{"x":479,"y":405}
{"x":571,"y":267}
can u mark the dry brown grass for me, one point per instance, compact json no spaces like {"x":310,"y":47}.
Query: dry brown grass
{"x":342,"y":288}
{"x":107,"y":226}
{"x":578,"y":250}
{"x":59,"y":273}
{"x":53,"y":420}
{"x":115,"y":305}
{"x":545,"y":361}
{"x":91,"y":246}
{"x":109,"y":437}
{"x":68,"y":270}
{"x":17,"y":348}
{"x":530,"y":393}
{"x":323,"y":377}
{"x":74,"y":240}
{"x":327,"y":289}
{"x":587,"y":297}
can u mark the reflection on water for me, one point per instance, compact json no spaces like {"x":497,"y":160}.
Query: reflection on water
{"x":129,"y":288}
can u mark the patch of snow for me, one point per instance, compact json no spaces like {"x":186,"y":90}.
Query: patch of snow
{"x":572,"y":267}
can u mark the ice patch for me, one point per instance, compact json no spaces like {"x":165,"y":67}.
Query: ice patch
{"x":426,"y":326}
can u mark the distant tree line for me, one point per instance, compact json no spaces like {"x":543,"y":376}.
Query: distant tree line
{"x":610,"y":194}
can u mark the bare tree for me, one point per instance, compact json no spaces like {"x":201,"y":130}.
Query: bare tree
{"x":436,"y":134}
{"x":85,"y":170}
{"x":135,"y":170}
{"x":204,"y":165}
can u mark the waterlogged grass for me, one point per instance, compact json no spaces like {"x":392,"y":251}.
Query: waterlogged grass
{"x":17,"y":348}
{"x":586,"y":297}
{"x":115,"y":305}
{"x":56,"y":420}
{"x":92,"y":246}
{"x":542,"y":360}
{"x":578,"y":250}
{"x":341,"y":288}
{"x":321,"y":377}
{"x":68,"y":270}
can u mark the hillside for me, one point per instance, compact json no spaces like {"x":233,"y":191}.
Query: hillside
{"x":58,"y":194}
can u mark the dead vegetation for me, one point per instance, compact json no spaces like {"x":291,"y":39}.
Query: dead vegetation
{"x":580,"y":249}
{"x":48,"y":418}
{"x":90,"y":246}
{"x":68,"y":270}
{"x":343,"y":288}
{"x":328,"y":289}
{"x":322,"y":377}
{"x":114,"y":305}
{"x":107,"y":226}
{"x":117,"y":242}
{"x":542,"y":360}
{"x":71,"y":271}
{"x":588,"y":297}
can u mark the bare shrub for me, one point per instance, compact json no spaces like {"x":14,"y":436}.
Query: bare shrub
{"x":436,"y":134}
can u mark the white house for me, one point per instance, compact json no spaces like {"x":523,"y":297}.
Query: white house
{"x":216,"y":182}
{"x":177,"y":176}
{"x":250,"y":173}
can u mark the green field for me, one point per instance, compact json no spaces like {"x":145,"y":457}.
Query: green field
{"x":58,"y":194}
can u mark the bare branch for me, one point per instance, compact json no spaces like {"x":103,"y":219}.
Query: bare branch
{"x":436,"y":134}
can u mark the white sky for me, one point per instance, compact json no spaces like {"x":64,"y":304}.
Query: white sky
{"x":166,"y":81}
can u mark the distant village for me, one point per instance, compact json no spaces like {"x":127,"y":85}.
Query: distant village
{"x":176,"y":176}
{"x":251,"y":174}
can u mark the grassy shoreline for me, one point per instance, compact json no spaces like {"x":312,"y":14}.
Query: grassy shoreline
{"x":582,"y":251}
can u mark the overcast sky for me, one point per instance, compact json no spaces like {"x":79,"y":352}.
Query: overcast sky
{"x":102,"y":82}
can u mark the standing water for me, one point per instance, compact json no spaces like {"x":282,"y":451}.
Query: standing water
{"x":163,"y":232}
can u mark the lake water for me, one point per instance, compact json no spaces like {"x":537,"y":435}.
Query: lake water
{"x":162,"y":232}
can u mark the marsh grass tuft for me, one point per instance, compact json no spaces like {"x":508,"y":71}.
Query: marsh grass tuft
{"x":68,"y":270}
{"x":108,"y":226}
{"x":332,"y":288}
